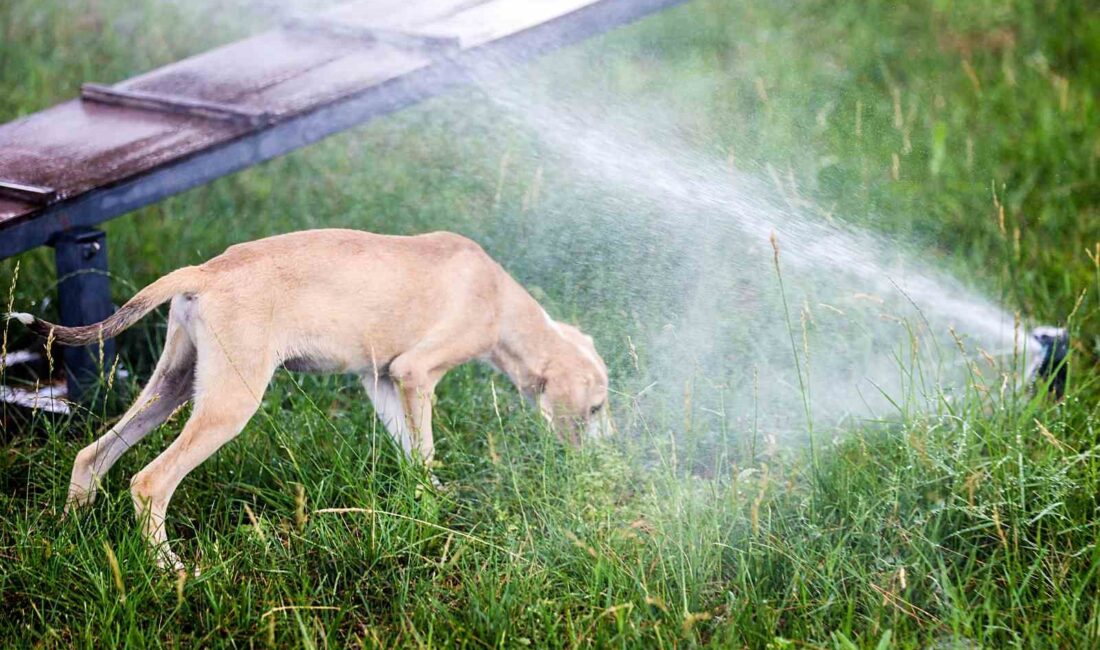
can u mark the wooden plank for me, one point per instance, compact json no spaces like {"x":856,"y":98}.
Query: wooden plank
{"x":77,"y":146}
{"x":172,"y":104}
{"x":469,"y":22}
{"x":27,"y":193}
{"x":12,"y":206}
{"x":107,"y":160}
{"x":429,"y":44}
{"x":398,"y":15}
{"x":488,"y":21}
{"x":250,"y":74}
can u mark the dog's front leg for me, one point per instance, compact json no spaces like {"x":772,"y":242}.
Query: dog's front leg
{"x":418,"y":409}
{"x":416,"y":386}
{"x":404,"y":404}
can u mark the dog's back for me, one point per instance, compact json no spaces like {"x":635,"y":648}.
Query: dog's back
{"x":346,"y":294}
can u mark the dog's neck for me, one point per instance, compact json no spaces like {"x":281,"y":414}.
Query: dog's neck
{"x":528,"y":340}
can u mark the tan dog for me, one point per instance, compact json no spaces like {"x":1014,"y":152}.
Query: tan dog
{"x":399,"y":312}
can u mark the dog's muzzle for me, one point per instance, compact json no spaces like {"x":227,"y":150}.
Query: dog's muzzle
{"x":599,"y":425}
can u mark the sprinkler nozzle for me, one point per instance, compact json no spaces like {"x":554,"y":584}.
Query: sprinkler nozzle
{"x":1047,"y":348}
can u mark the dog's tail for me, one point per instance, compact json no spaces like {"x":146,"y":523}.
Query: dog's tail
{"x":186,"y":280}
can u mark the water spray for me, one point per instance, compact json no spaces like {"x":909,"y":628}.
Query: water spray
{"x":686,"y":211}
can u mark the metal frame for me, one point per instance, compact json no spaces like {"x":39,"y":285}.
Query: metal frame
{"x":84,"y":298}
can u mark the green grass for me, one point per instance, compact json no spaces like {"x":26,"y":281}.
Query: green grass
{"x":971,"y":525}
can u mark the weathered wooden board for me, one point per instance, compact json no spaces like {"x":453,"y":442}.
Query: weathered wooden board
{"x":313,"y":77}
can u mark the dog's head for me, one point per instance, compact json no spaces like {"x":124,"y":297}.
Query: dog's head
{"x":574,"y":391}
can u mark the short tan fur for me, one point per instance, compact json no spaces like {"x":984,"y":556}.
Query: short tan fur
{"x":399,"y":312}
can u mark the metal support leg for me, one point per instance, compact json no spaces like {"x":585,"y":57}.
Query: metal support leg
{"x":84,"y":297}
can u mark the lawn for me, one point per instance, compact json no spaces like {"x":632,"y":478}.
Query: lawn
{"x":735,"y":508}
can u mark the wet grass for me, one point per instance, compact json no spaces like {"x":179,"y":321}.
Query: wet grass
{"x":970,"y":525}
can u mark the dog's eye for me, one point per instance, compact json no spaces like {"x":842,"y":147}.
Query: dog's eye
{"x":595,"y":409}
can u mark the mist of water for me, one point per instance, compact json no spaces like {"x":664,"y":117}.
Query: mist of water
{"x":859,"y":327}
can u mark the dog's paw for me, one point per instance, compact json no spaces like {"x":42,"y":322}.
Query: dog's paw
{"x":77,"y":500}
{"x":432,"y":488}
{"x":169,"y":561}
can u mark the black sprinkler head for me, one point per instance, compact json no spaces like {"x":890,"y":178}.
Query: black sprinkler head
{"x":1047,"y":350}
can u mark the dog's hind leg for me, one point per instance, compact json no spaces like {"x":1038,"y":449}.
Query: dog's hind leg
{"x":228,"y":392}
{"x":169,"y":387}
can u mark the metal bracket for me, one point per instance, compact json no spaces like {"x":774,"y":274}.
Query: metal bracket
{"x":84,"y":298}
{"x":429,"y":43}
{"x":172,"y":104}
{"x":34,"y":194}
